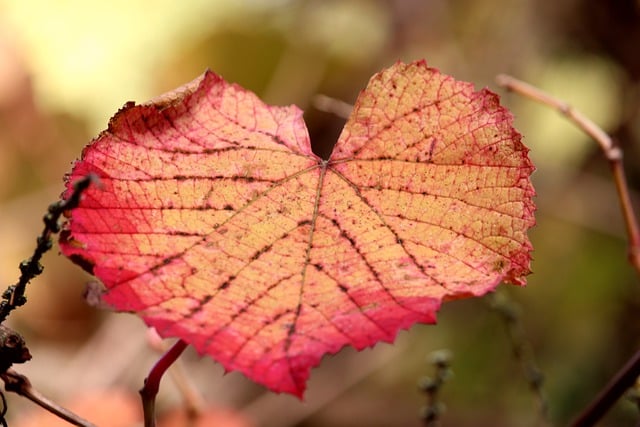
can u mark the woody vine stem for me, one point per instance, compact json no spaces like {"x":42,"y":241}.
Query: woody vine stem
{"x":14,"y":296}
{"x":612,"y":153}
{"x":627,"y":376}
{"x":152,"y":382}
{"x":12,"y":346}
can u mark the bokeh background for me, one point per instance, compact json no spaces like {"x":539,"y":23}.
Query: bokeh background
{"x":66,"y":66}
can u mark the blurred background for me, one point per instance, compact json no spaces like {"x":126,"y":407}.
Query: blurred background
{"x":67,"y":66}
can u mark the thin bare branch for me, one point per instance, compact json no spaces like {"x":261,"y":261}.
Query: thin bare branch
{"x":610,"y":394}
{"x":21,"y":385}
{"x":612,"y":152}
{"x":14,"y":296}
{"x":331,"y":105}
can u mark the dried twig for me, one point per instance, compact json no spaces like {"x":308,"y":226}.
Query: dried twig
{"x":20,"y":384}
{"x":331,"y":105}
{"x":609,"y":395}
{"x":14,"y":296}
{"x":612,"y":153}
{"x":13,"y":349}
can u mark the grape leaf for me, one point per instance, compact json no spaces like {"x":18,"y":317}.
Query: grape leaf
{"x":217,"y":224}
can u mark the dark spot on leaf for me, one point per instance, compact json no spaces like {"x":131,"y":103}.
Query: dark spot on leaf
{"x":280,"y":315}
{"x":256,"y":255}
{"x":277,"y":139}
{"x":499,"y":265}
{"x":180,"y":233}
{"x":227,"y":207}
{"x":343,"y":288}
{"x":84,"y":263}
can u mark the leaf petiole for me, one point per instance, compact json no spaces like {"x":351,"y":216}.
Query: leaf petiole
{"x":152,"y":382}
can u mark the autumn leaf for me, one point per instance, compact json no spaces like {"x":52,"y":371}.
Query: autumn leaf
{"x":217,"y":224}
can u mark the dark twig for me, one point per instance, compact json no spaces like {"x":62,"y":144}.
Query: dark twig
{"x":3,"y":422}
{"x":13,"y":349}
{"x":152,"y":382}
{"x":510,"y":314}
{"x":621,"y":382}
{"x":14,"y":296}
{"x":432,"y":411}
{"x":20,"y":384}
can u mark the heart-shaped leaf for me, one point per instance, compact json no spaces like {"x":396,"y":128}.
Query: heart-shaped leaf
{"x":217,"y":224}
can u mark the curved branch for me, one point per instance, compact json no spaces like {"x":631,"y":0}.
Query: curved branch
{"x":21,"y":385}
{"x":612,"y":153}
{"x":152,"y":382}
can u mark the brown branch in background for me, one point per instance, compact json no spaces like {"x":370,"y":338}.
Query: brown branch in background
{"x":612,"y":153}
{"x":627,"y":376}
{"x":13,"y":349}
{"x":20,"y":384}
{"x":334,"y":106}
{"x":610,"y":394}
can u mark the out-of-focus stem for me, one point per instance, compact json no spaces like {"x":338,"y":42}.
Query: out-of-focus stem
{"x":610,"y":150}
{"x":21,"y":385}
{"x":152,"y":382}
